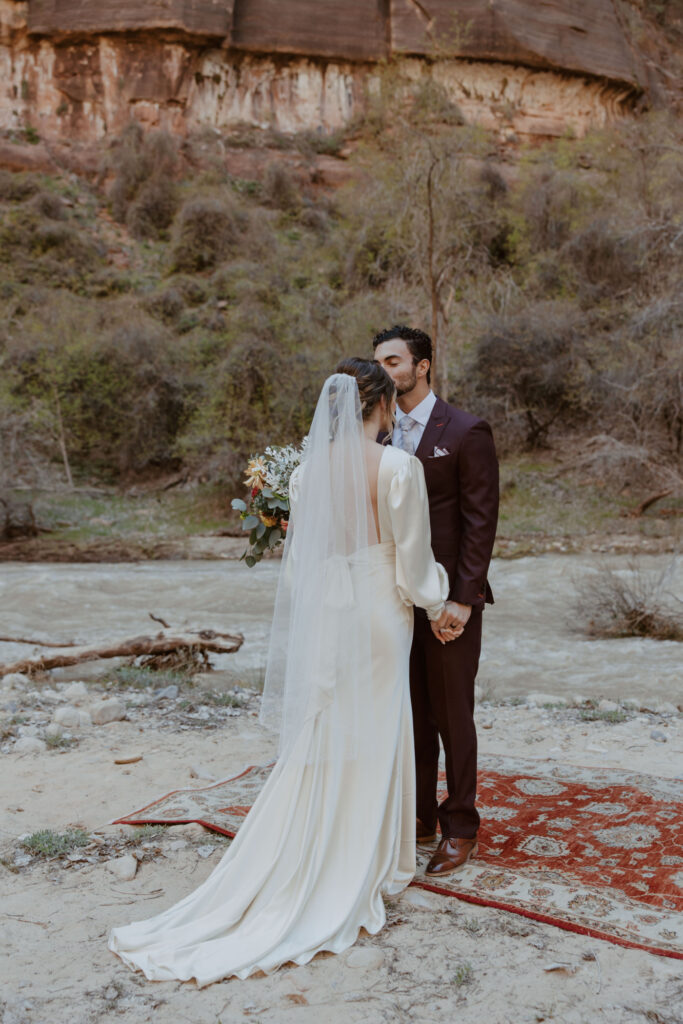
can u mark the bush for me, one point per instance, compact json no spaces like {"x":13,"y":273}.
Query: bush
{"x":143,"y":193}
{"x":207,"y":233}
{"x":280,"y":188}
{"x":530,"y":369}
{"x":612,"y":604}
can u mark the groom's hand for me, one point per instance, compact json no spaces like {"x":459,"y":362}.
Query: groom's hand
{"x":457,"y":616}
{"x":452,"y":621}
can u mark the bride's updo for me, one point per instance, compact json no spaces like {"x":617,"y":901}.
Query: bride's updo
{"x":374,"y":383}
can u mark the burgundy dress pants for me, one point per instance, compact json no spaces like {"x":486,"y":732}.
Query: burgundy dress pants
{"x":442,"y":695}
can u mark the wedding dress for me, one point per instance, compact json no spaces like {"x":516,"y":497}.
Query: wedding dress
{"x":333,"y":829}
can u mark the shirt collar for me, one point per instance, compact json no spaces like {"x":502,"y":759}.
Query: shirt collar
{"x":421,"y":412}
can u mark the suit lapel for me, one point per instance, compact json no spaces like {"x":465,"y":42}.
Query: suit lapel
{"x":435,"y":427}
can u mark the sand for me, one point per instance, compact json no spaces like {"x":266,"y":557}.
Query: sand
{"x":437,"y":959}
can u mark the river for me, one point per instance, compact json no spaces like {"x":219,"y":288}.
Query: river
{"x":531,"y":642}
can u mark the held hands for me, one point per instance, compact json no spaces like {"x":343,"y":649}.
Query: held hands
{"x":452,"y":621}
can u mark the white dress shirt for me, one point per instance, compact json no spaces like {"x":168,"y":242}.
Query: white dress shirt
{"x":420,"y":416}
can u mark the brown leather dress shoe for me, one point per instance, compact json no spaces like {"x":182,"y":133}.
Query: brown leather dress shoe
{"x":423,"y":834}
{"x":452,"y":855}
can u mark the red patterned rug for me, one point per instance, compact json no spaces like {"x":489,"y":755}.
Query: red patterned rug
{"x":598,"y":852}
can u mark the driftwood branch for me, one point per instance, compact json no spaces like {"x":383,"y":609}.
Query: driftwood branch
{"x":645,"y":505}
{"x":34,"y":642}
{"x":165,"y":642}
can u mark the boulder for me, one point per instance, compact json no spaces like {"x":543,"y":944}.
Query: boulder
{"x":124,"y":868}
{"x":76,"y":693}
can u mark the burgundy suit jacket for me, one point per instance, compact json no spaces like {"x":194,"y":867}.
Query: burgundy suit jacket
{"x":462,"y":487}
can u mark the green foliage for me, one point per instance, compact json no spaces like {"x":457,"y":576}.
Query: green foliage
{"x":47,"y":843}
{"x":553,"y":281}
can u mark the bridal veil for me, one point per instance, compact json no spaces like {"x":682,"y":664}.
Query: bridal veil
{"x":320,"y":633}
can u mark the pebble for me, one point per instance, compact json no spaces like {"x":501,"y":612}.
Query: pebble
{"x":69,"y":717}
{"x":76,"y":693}
{"x":539,"y":699}
{"x":178,"y":844}
{"x":30,"y":745}
{"x":51,"y":696}
{"x":192,"y":829}
{"x":666,"y":708}
{"x":54,"y":730}
{"x":365,"y":958}
{"x":608,"y":705}
{"x":27,"y":730}
{"x":16,"y":681}
{"x":631,"y":704}
{"x":112,"y":710}
{"x":123,"y":868}
{"x":658,"y":735}
{"x":168,"y":693}
{"x":205,"y":851}
{"x":197,"y":771}
{"x":577,"y":700}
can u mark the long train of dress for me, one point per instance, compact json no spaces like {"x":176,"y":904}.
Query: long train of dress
{"x":328,"y":836}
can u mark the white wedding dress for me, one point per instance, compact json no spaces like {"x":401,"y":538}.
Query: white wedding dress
{"x":328,"y":835}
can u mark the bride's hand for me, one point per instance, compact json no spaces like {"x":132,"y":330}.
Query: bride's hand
{"x":446,"y":633}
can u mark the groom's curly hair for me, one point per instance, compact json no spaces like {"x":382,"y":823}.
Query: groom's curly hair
{"x":419,"y":343}
{"x":374,"y":383}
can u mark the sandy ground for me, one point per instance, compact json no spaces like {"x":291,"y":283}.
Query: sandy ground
{"x":437,"y":960}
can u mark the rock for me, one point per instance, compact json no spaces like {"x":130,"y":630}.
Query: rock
{"x":197,"y":771}
{"x":630,"y":704}
{"x":168,"y":693}
{"x":608,"y":705}
{"x":658,"y":735}
{"x":192,"y":830}
{"x":76,"y":693}
{"x":16,"y":681}
{"x":366,"y":958}
{"x":54,"y":730}
{"x":648,"y":704}
{"x":178,"y":844}
{"x":106,"y":711}
{"x":30,"y":745}
{"x":539,"y":699}
{"x":665,"y":707}
{"x":67,"y":716}
{"x":123,"y":868}
{"x":205,"y":851}
{"x":51,"y":696}
{"x":28,"y":730}
{"x":111,"y":994}
{"x":577,"y":701}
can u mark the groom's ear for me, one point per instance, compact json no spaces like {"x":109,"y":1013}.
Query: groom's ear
{"x":423,"y":367}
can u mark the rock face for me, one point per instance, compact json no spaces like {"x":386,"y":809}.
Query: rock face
{"x":75,"y":70}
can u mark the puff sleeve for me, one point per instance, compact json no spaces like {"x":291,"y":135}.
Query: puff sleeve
{"x":419,"y":577}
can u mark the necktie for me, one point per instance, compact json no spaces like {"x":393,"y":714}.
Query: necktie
{"x":408,"y":438}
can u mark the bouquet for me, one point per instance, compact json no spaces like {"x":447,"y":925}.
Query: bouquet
{"x":266,"y":515}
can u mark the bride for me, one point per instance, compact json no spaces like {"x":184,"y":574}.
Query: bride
{"x":333,"y":829}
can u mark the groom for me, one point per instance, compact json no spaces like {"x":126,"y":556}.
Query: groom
{"x":461,"y":471}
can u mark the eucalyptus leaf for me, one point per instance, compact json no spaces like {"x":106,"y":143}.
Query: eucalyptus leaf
{"x":251,"y":561}
{"x":274,"y":537}
{"x":260,"y":530}
{"x":239,"y":505}
{"x":267,"y":492}
{"x":250,"y":522}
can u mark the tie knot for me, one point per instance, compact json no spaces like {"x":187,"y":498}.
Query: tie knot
{"x":407,"y":422}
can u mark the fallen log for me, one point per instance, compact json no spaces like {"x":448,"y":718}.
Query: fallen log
{"x":165,"y":642}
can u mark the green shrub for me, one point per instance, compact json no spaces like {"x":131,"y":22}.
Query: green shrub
{"x":208,"y":232}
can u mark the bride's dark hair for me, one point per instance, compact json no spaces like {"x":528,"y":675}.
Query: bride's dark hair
{"x":374,"y":383}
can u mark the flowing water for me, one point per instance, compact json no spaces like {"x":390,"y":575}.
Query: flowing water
{"x":531,"y":642}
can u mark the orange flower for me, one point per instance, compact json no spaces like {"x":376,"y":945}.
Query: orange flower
{"x":268,"y":520}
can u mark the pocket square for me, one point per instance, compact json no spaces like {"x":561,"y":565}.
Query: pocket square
{"x":440,"y":451}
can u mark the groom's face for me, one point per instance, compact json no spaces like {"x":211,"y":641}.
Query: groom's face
{"x":397,"y":360}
